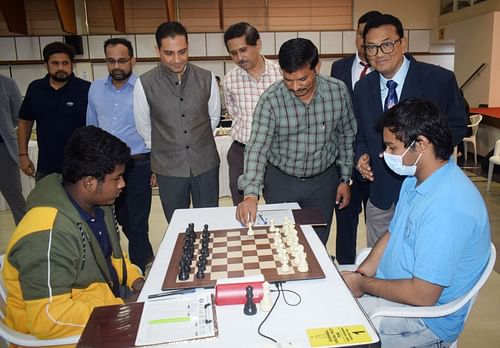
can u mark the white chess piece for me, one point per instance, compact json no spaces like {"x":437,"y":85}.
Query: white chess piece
{"x":303,"y":265}
{"x":250,"y":230}
{"x":266,"y":303}
{"x":272,"y":228}
{"x":285,"y":268}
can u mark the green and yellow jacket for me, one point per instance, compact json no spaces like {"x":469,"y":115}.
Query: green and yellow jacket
{"x":55,"y":272}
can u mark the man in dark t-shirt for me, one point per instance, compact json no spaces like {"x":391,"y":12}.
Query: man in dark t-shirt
{"x":58,"y":104}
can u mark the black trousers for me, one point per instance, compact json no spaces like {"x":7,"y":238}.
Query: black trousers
{"x":347,"y":223}
{"x":235,"y":159}
{"x":315,"y":192}
{"x":178,"y":192}
{"x":132,"y":210}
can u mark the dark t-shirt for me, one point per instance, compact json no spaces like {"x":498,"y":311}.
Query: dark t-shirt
{"x":57,"y":114}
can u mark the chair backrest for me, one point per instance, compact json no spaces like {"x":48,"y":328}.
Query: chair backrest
{"x":474,"y":122}
{"x":496,"y":152}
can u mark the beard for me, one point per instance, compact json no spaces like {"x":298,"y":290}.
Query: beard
{"x":60,"y":76}
{"x":120,"y":75}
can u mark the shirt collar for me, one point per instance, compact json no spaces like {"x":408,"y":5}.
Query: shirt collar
{"x":83,"y":214}
{"x":130,"y":82}
{"x":434,"y":179}
{"x":267,"y":68}
{"x":400,"y":76}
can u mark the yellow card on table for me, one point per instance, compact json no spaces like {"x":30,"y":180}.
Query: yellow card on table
{"x":336,"y":336}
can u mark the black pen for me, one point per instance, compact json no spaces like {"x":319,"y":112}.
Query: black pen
{"x":172,"y":292}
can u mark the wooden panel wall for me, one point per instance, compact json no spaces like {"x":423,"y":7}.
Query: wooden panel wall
{"x":42,"y":19}
{"x":143,"y":16}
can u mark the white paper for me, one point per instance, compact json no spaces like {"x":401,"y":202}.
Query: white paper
{"x":177,"y":319}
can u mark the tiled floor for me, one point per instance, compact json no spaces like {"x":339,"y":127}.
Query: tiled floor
{"x":483,"y":326}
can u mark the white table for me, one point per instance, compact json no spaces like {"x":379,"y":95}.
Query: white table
{"x":27,"y":182}
{"x":325,"y":302}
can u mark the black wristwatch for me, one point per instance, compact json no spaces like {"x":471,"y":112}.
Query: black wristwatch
{"x":347,"y":181}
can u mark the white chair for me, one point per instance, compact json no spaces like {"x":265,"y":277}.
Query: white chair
{"x":495,"y":159}
{"x":474,"y":124}
{"x":431,"y":311}
{"x":11,"y":336}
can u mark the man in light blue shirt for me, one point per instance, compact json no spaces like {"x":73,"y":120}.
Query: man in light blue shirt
{"x":438,"y":241}
{"x":110,"y":107}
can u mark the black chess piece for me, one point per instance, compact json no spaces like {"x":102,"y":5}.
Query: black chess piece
{"x":250,"y":307}
{"x":183,"y":275}
{"x":200,"y":274}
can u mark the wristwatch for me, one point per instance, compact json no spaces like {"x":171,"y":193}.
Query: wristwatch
{"x":347,"y":181}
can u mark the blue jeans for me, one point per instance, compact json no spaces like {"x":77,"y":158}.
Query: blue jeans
{"x":397,"y":332}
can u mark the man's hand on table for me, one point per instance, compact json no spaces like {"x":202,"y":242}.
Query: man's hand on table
{"x":353,"y":281}
{"x":136,"y":289}
{"x":247,"y":210}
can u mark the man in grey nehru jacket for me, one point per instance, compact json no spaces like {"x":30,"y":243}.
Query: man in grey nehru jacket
{"x":176,"y":109}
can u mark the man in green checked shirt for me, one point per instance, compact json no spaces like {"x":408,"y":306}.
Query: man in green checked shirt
{"x":301,"y":145}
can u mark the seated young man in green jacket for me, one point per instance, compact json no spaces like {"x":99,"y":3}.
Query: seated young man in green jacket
{"x":64,"y":257}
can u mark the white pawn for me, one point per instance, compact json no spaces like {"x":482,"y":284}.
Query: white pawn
{"x":250,"y":230}
{"x":266,"y":304}
{"x":303,"y":265}
{"x":285,"y":268}
{"x":272,"y":228}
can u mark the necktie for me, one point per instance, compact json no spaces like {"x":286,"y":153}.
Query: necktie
{"x":392,"y":97}
{"x":365,"y":69}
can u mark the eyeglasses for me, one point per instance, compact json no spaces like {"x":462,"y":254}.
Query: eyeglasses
{"x":121,"y":61}
{"x":386,"y":47}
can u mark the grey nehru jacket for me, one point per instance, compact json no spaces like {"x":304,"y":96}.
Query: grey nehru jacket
{"x":182,"y":143}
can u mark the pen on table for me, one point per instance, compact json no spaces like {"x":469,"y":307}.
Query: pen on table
{"x":172,"y":292}
{"x":264,"y":221}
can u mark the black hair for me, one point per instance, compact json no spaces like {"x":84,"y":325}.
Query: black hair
{"x":92,"y":151}
{"x":119,"y":41}
{"x":365,"y":18}
{"x":58,"y":47}
{"x":242,"y":29}
{"x":170,"y":29}
{"x":414,"y":117}
{"x":296,"y":53}
{"x":384,"y":19}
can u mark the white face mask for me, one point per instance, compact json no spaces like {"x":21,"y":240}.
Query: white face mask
{"x":395,"y":162}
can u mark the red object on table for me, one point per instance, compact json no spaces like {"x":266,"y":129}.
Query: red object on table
{"x":235,"y":293}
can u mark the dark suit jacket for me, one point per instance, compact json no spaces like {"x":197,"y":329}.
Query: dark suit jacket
{"x":342,"y":70}
{"x":424,"y":81}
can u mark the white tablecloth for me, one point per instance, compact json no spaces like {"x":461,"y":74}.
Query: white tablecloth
{"x":27,"y":182}
{"x":325,"y":302}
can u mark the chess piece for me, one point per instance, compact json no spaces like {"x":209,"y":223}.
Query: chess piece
{"x":266,"y":304}
{"x":303,"y":265}
{"x":250,"y":230}
{"x":183,"y":275}
{"x":272,"y":228}
{"x":250,"y":308}
{"x":285,"y":268}
{"x":200,"y":274}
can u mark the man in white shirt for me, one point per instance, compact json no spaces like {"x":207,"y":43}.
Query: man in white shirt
{"x":243,"y":87}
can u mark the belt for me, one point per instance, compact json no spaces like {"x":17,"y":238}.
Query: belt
{"x":239,"y":144}
{"x":301,"y":177}
{"x":140,"y":157}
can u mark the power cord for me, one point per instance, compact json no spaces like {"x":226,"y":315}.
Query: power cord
{"x":279,"y":290}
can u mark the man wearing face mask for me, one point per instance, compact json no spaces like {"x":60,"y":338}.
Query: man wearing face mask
{"x":57,"y":103}
{"x":111,"y":108}
{"x":438,"y":241}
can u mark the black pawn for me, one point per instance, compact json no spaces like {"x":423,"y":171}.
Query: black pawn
{"x":250,"y":307}
{"x":200,"y":274}
{"x":183,"y":275}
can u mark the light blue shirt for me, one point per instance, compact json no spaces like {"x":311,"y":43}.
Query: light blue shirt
{"x":440,"y":233}
{"x":112,"y":110}
{"x":399,"y":78}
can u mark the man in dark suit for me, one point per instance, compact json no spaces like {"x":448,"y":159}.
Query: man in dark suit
{"x":396,"y":77}
{"x":350,"y":70}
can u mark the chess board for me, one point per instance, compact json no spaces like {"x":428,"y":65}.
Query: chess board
{"x":232,"y":253}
